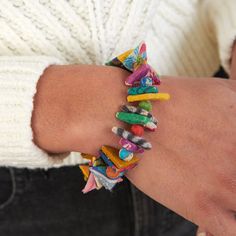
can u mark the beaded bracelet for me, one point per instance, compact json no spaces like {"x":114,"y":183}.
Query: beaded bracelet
{"x":109,"y":166}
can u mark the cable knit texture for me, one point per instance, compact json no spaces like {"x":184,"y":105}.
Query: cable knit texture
{"x":184,"y":37}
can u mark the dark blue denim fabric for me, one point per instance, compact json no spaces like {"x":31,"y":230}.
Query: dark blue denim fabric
{"x":36,"y":202}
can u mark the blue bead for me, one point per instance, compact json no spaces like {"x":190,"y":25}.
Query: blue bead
{"x":124,"y":153}
{"x":100,"y":169}
{"x":146,"y":81}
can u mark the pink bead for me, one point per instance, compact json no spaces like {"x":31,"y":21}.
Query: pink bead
{"x":142,"y":71}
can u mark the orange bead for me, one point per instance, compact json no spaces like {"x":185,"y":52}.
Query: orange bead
{"x":111,"y":172}
{"x":137,"y":130}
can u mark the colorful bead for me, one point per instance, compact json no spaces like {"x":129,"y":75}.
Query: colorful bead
{"x":100,"y":169}
{"x":106,"y":182}
{"x":151,"y":126}
{"x":155,"y":78}
{"x":132,"y":118}
{"x":129,"y":158}
{"x":142,"y":71}
{"x":85,"y":171}
{"x":137,"y":74}
{"x":140,"y":111}
{"x":98,"y":162}
{"x":132,"y":138}
{"x":130,"y":146}
{"x":137,"y":130}
{"x":113,"y":154}
{"x":118,"y":61}
{"x":146,"y":81}
{"x":142,"y":90}
{"x":125,"y":155}
{"x":136,"y":58}
{"x":90,"y":185}
{"x":98,"y":184}
{"x":106,"y":159}
{"x":112,"y":173}
{"x":131,"y":59}
{"x":148,"y":96}
{"x":146,"y":105}
{"x":87,"y":156}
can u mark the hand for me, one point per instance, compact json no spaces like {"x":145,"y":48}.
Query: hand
{"x":75,"y":106}
{"x":191,"y":168}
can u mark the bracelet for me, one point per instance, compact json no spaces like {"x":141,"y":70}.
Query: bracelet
{"x":108,"y":168}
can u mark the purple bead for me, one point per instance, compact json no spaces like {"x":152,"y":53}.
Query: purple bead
{"x":142,"y":71}
{"x":130,"y":146}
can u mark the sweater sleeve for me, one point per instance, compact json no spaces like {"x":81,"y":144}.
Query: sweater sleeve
{"x":18,"y":79}
{"x":222,"y":15}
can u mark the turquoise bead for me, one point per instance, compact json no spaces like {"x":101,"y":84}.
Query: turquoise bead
{"x":125,"y":155}
{"x":142,"y":90}
{"x":100,"y":169}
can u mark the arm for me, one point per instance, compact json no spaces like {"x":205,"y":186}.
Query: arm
{"x":191,"y":168}
{"x":75,"y":106}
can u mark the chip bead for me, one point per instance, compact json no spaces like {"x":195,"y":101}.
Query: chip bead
{"x":146,"y":81}
{"x":125,"y":155}
{"x":137,"y":130}
{"x":146,"y":105}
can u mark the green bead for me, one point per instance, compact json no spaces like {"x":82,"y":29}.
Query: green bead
{"x":132,"y":118}
{"x":147,"y":105}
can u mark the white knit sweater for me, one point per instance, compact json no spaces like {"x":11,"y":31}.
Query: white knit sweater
{"x":184,"y":37}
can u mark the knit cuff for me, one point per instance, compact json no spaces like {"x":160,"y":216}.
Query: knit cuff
{"x":222,"y":14}
{"x":18,"y":79}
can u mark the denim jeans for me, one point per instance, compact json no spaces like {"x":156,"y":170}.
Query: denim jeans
{"x":37,"y":202}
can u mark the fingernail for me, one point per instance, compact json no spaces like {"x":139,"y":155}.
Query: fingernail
{"x":202,"y":234}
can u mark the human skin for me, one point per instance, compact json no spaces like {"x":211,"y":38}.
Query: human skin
{"x":191,"y":167}
{"x":232,"y":76}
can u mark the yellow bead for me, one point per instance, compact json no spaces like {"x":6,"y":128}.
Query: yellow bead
{"x":148,"y":96}
{"x":124,"y":55}
{"x":88,"y":156}
{"x":85,"y":171}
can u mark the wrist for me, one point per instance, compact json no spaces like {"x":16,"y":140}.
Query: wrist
{"x":76,"y":105}
{"x":100,"y":96}
{"x":49,"y":116}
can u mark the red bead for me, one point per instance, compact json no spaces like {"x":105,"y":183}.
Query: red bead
{"x":137,"y":130}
